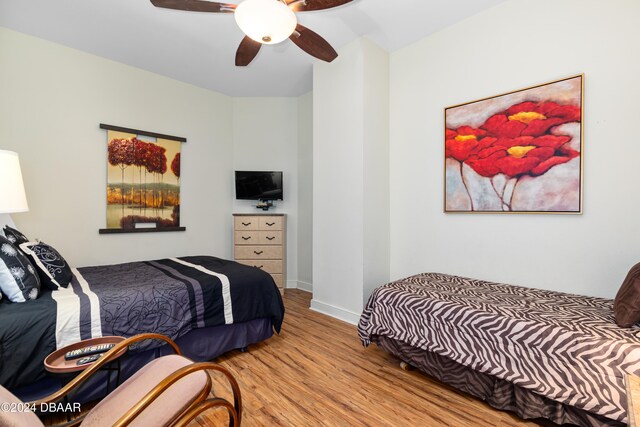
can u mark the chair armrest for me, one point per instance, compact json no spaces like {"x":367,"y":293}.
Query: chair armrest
{"x":173,"y":378}
{"x":84,"y":375}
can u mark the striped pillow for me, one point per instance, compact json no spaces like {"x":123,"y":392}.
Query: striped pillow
{"x":19,"y":281}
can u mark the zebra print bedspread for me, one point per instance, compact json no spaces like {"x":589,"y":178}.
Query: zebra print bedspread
{"x":561,"y":346}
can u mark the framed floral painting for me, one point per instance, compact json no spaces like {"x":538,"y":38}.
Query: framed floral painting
{"x":520,"y":152}
{"x":143,"y":181}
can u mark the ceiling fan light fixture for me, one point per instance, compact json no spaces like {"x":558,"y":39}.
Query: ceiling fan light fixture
{"x":266,"y":21}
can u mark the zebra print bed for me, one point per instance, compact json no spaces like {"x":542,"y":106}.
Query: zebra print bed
{"x":561,"y":346}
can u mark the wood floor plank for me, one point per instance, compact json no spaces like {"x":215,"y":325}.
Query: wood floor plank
{"x":317,"y":373}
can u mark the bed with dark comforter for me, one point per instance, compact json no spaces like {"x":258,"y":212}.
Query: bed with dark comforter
{"x":173,"y":297}
{"x":536,"y":352}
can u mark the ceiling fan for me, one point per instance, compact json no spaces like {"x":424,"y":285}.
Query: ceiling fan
{"x":266,"y":22}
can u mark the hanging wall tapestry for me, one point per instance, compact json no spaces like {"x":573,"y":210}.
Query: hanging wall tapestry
{"x":520,"y":152}
{"x":143,"y":181}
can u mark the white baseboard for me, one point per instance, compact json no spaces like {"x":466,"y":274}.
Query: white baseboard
{"x":291,"y":284}
{"x":296,"y":284}
{"x":304,"y":286}
{"x":337,"y":312}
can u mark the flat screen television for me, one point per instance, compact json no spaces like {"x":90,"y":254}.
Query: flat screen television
{"x":258,"y":185}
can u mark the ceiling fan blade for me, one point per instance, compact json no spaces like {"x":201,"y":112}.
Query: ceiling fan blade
{"x":195,"y":5}
{"x":313,"y":44}
{"x":247,"y":50}
{"x":309,"y":5}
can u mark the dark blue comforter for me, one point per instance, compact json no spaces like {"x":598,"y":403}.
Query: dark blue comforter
{"x":168,"y":296}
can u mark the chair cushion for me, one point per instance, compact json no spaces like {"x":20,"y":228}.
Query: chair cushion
{"x":16,"y":416}
{"x":626,"y":306}
{"x":164,"y":409}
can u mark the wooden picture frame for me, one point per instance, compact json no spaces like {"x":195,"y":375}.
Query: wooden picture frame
{"x":518,"y":152}
{"x":139,"y":199}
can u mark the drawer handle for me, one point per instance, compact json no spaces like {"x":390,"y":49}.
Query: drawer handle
{"x":271,"y":224}
{"x":246,"y":238}
{"x":246,"y":224}
{"x":258,"y":252}
{"x":271,"y":238}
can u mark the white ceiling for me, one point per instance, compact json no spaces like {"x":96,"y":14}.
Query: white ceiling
{"x":199,"y":48}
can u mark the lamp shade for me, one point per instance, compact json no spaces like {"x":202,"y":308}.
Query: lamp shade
{"x":265,"y":21}
{"x":12,"y":196}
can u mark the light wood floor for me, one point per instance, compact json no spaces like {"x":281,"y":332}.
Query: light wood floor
{"x":316,"y":373}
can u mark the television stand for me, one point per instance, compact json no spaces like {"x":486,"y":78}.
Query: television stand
{"x":265,"y":204}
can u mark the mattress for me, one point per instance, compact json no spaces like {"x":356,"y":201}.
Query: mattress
{"x":564,"y":347}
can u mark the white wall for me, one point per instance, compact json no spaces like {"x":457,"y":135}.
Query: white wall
{"x":5,"y":219}
{"x":52,"y":101}
{"x":376,"y":207}
{"x":305,"y":192}
{"x":265,"y":137}
{"x":350,"y":178}
{"x":338,"y":174}
{"x":511,"y":46}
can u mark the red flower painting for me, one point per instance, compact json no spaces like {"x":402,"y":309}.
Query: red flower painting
{"x":530,"y":119}
{"x":514,"y":157}
{"x":516,"y":150}
{"x":465,"y":141}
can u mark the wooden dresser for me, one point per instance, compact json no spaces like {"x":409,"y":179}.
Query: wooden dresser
{"x":260,"y":241}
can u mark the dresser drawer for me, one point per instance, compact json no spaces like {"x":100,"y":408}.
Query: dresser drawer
{"x":270,"y":222}
{"x":246,"y":223}
{"x":270,"y":266}
{"x":270,"y":237}
{"x":258,"y":252}
{"x":257,"y":237}
{"x":246,"y":237}
{"x":278,"y":279}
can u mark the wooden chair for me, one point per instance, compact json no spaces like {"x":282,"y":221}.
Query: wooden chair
{"x":169,"y":391}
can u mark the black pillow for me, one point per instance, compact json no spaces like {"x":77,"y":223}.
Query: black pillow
{"x":14,"y":236}
{"x":53,"y":270}
{"x":19,"y":281}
